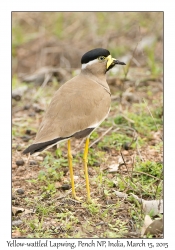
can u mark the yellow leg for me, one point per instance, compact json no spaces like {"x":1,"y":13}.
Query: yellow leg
{"x":86,"y":169}
{"x":71,"y":171}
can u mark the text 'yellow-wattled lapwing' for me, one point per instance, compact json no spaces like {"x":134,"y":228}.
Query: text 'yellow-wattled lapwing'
{"x":77,"y":108}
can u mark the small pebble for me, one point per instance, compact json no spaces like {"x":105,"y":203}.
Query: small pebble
{"x":90,"y":173}
{"x":26,"y":107}
{"x":65,"y":170}
{"x":32,"y":114}
{"x":65,"y":187}
{"x":126,"y":145}
{"x":96,"y":164}
{"x":28,"y":131}
{"x":20,"y":191}
{"x":33,"y":162}
{"x":16,"y":222}
{"x":16,"y":97}
{"x":18,"y":147}
{"x":109,"y":202}
{"x":37,"y":108}
{"x":19,"y":162}
{"x":106,"y":149}
{"x":26,"y":138}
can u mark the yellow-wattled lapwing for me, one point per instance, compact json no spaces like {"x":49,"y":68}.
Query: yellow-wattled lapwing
{"x":77,"y":108}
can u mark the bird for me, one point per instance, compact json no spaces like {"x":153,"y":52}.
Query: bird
{"x":77,"y":108}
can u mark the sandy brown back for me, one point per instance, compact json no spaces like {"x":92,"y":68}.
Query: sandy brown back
{"x":78,"y":104}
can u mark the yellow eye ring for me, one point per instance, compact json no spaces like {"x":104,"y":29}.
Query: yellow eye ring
{"x":101,"y":58}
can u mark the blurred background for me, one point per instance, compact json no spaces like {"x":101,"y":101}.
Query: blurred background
{"x":59,"y":39}
{"x":126,"y":151}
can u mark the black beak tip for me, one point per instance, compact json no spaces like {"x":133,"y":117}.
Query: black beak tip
{"x":118,"y":62}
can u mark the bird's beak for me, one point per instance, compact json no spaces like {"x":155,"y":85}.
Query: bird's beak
{"x":112,"y":61}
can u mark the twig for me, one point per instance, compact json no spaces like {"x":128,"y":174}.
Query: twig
{"x":138,"y":151}
{"x":159,"y":180}
{"x":128,"y":66}
{"x":63,"y":196}
{"x":24,"y":179}
{"x":74,"y":200}
{"x":100,"y":223}
{"x":140,"y":172}
{"x":109,"y":129}
{"x":124,"y":162}
{"x":46,"y":79}
{"x":133,"y":160}
{"x":129,"y":120}
{"x":80,"y":144}
{"x":151,"y":114}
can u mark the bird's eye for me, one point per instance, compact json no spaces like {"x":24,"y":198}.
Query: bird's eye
{"x":101,"y":58}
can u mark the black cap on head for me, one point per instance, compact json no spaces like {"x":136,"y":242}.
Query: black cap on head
{"x":94,"y":54}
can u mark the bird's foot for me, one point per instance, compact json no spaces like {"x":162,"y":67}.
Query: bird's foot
{"x":89,"y":200}
{"x":77,"y":198}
